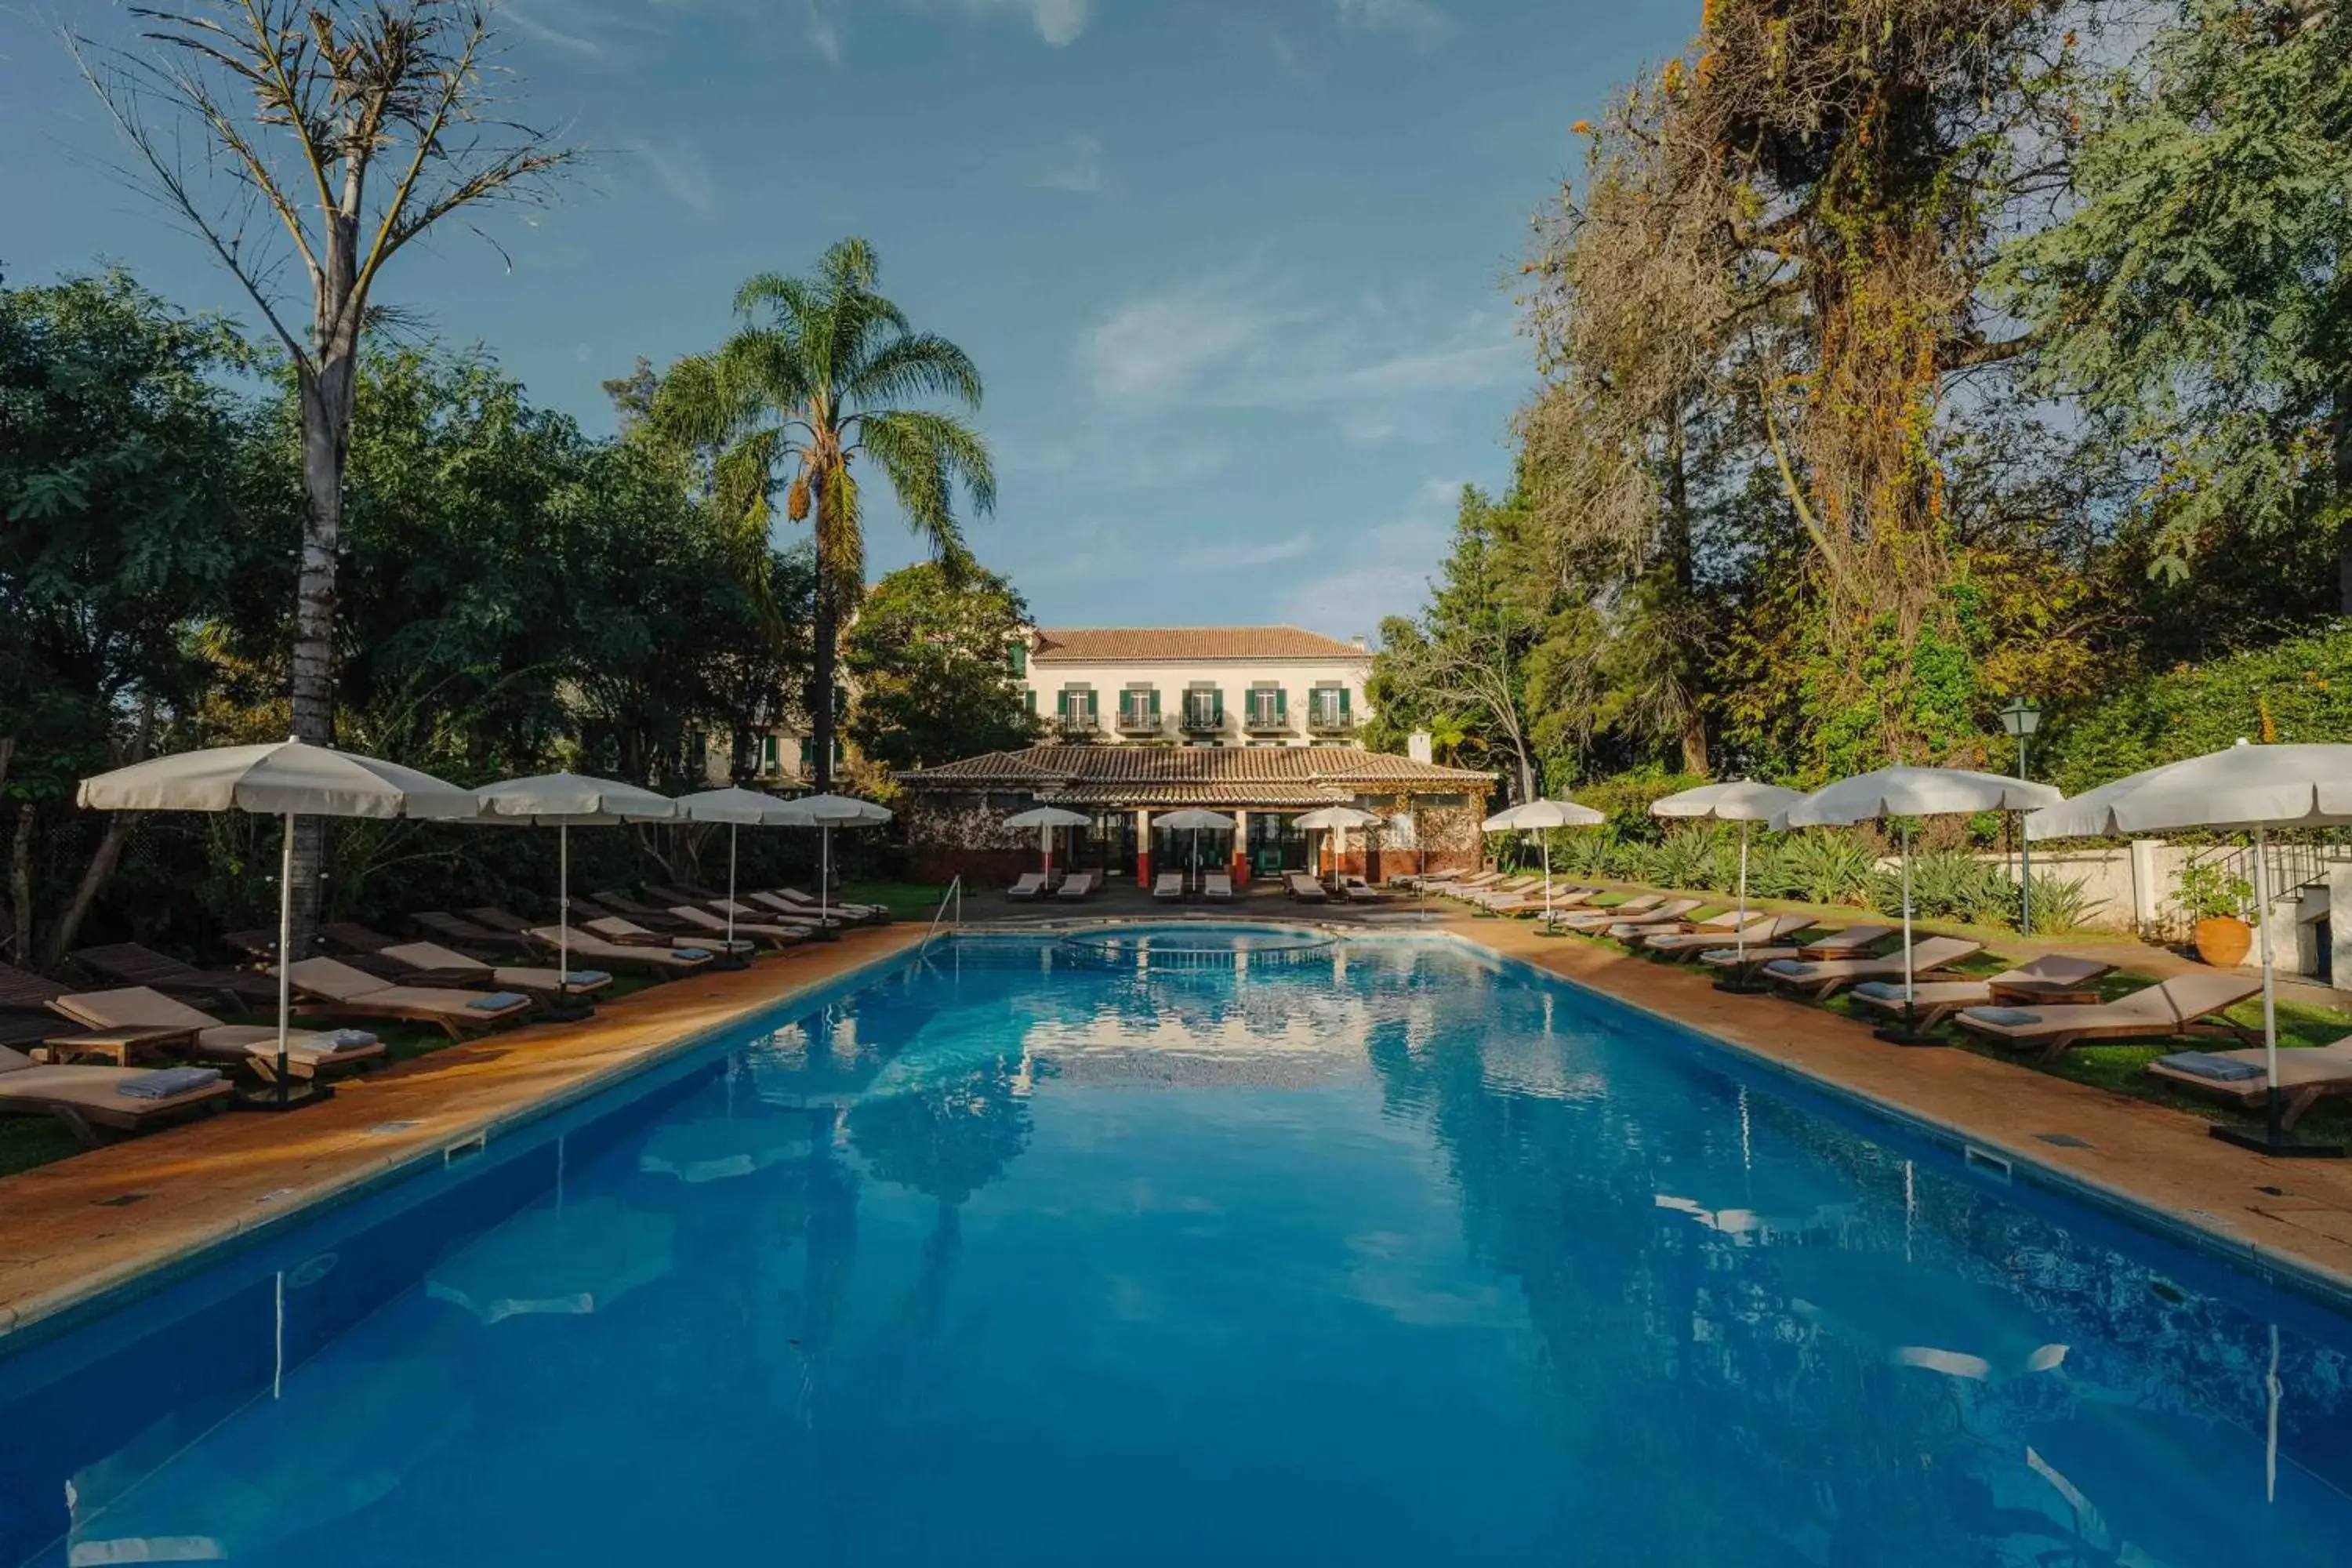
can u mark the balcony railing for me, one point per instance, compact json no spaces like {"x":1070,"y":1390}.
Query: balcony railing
{"x":1200,"y":718}
{"x":1077,"y":723}
{"x":1138,"y":721}
{"x":1326,"y":719}
{"x":1263,"y":718}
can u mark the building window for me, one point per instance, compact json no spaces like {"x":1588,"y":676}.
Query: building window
{"x":1139,"y":710}
{"x":1329,"y":708}
{"x":1029,"y":699}
{"x":1204,"y":709}
{"x":1077,"y":709}
{"x":1269,"y":707}
{"x":1017,"y":659}
{"x":767,"y":749}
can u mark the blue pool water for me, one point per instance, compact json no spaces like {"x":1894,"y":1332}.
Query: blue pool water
{"x":1022,"y":1256}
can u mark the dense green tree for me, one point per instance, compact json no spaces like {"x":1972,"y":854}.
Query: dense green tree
{"x":927,"y":659}
{"x":819,"y":372}
{"x":2196,"y":303}
{"x":124,"y":482}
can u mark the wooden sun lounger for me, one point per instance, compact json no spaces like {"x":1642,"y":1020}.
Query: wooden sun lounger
{"x":2051,"y":980}
{"x":1843,"y":943}
{"x":662,"y":960}
{"x":1655,"y":921}
{"x":1077,"y":886}
{"x":1825,"y":978}
{"x":310,"y":1053}
{"x":778,"y":937}
{"x":1217,"y":887}
{"x":2308,"y":1075}
{"x":792,"y":921}
{"x":128,"y":964}
{"x":878,"y":914}
{"x":2184,"y":1004}
{"x":773,"y":904}
{"x":422,"y":959}
{"x":628,"y":933}
{"x":1025,"y":887}
{"x":462,"y":934}
{"x":336,"y":990}
{"x":1168,"y":887}
{"x":1759,"y":932}
{"x":1306,"y":888}
{"x":1573,"y":897}
{"x":1601,"y":920}
{"x":611,"y":905}
{"x":89,"y":1101}
{"x":1503,"y":893}
{"x":22,"y":988}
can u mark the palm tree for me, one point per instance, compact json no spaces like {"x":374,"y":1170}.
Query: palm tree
{"x":818,"y":373}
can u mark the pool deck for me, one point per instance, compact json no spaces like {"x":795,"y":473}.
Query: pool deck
{"x":81,"y":1227}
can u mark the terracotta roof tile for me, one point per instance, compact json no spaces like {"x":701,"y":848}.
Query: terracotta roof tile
{"x":1239,"y":794}
{"x":1117,"y":644}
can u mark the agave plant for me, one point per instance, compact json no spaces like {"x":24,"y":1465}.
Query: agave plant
{"x":2061,"y":904}
{"x":1831,"y":867}
{"x":1685,"y":858}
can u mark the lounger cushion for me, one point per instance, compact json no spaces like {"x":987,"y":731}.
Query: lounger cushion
{"x":1794,"y":968}
{"x":166,"y":1083}
{"x":1883,"y":991}
{"x":694,"y":953}
{"x":2006,"y":1017}
{"x":2204,"y":1064}
{"x":496,"y":1001}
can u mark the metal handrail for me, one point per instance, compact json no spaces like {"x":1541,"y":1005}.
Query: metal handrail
{"x":955,"y":891}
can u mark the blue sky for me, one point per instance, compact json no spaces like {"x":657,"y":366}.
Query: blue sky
{"x":1239,"y":273}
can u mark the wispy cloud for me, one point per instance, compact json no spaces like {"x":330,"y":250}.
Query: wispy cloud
{"x":1423,"y":23}
{"x":1386,"y":568}
{"x":678,"y":163}
{"x":1058,"y":22}
{"x":824,"y":36}
{"x":587,"y":43}
{"x":1077,"y":167}
{"x":1240,"y":554}
{"x":1234,"y":341}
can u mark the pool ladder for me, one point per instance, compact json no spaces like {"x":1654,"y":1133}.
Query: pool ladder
{"x":955,"y":895}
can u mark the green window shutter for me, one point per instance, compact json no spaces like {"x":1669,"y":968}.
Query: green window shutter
{"x":1343,"y":705}
{"x":1217,"y":704}
{"x":1029,"y":699}
{"x":1281,"y":704}
{"x":1091,"y":709}
{"x":1017,"y":656}
{"x":1155,"y":703}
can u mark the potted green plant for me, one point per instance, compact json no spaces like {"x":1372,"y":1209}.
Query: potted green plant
{"x":2222,"y":906}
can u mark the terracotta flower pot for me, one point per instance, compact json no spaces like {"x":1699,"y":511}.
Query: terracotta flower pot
{"x":2224,"y":941}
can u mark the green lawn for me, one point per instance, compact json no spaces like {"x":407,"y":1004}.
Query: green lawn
{"x":906,"y":900}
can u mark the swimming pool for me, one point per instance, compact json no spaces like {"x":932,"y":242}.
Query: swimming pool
{"x":1398,"y":1255}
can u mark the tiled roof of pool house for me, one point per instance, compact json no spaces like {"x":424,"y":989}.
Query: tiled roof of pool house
{"x":1197,"y":775}
{"x":1121,"y":644}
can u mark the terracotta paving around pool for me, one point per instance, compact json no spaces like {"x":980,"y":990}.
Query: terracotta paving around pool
{"x":2290,"y":1215}
{"x":80,"y":1226}
{"x":67,"y":1233}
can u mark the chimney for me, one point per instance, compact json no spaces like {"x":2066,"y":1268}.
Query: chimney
{"x":1361,"y":645}
{"x":1418,"y":747}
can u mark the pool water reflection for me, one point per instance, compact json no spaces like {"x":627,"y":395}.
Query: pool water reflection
{"x":1395,"y":1256}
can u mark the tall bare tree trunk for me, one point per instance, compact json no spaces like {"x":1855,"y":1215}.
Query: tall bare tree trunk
{"x":2343,"y":424}
{"x":94,"y":877}
{"x":328,"y":398}
{"x":821,"y":678}
{"x":1693,"y":736}
{"x":20,"y":885}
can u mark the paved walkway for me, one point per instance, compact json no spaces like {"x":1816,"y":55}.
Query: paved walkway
{"x":67,"y":1233}
{"x":77,"y":1227}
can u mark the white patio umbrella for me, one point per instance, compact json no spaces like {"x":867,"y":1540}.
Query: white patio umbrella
{"x":737,"y":808}
{"x":1538,"y":814}
{"x":1196,"y":820}
{"x":1747,"y":804}
{"x":1044,"y":819}
{"x":1337,"y":819}
{"x":2246,"y":788}
{"x":1904,"y":793}
{"x":287,"y":779}
{"x":828,"y":811}
{"x":563,"y":802}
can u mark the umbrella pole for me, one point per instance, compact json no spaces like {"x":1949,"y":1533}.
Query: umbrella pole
{"x":563,"y":906}
{"x":2273,"y":1139}
{"x":824,"y":874}
{"x":732,"y":831}
{"x":285,"y":952}
{"x":1546,"y":844}
{"x":1739,"y":931}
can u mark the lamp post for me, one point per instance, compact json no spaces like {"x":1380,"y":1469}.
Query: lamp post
{"x":2021,"y":719}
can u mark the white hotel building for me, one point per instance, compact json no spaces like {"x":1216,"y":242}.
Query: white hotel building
{"x":1194,"y":685}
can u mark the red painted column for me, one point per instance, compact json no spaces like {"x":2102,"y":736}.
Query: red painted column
{"x":1143,"y":849}
{"x":1241,"y":850}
